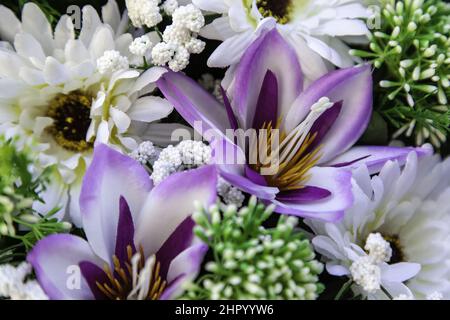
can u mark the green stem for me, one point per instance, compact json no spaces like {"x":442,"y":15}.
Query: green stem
{"x":343,"y":289}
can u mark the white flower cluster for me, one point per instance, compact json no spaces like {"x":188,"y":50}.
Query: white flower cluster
{"x":186,"y":155}
{"x":366,"y":270}
{"x":144,"y":12}
{"x":378,"y":248}
{"x":366,"y":274}
{"x":180,"y":39}
{"x":229,"y":194}
{"x":140,"y":46}
{"x":146,"y":153}
{"x":112,"y":61}
{"x":169,"y":6}
{"x":13,"y":285}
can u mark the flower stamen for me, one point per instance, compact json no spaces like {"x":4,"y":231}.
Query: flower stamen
{"x":71,"y":120}
{"x":134,"y":279}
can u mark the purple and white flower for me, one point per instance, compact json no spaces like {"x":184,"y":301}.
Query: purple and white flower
{"x":318,"y":124}
{"x":140,"y":242}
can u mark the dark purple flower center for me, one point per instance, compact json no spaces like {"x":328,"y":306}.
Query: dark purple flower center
{"x":71,"y":120}
{"x":279,"y":9}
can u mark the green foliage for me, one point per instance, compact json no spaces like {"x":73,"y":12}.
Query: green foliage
{"x":18,"y":190}
{"x":251,"y":261}
{"x":411,"y":54}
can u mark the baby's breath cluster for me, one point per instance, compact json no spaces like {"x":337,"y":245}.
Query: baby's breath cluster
{"x":412,"y":54}
{"x":176,"y":42}
{"x":186,"y":155}
{"x":252,"y":261}
{"x":180,"y":38}
{"x":146,"y":153}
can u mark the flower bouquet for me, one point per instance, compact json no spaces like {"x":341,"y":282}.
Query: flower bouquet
{"x":224,"y":149}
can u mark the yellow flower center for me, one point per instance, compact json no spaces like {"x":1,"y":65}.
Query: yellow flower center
{"x":281,"y":10}
{"x":71,"y":120}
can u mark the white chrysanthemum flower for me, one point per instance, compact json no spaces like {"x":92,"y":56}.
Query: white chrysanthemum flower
{"x":63,"y":93}
{"x":409,"y":208}
{"x":317,"y":29}
{"x":13,"y":285}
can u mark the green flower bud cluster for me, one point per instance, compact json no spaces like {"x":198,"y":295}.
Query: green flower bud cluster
{"x":18,"y":190}
{"x":251,"y":261}
{"x":411,"y":52}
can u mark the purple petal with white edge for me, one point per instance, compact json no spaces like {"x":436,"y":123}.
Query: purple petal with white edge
{"x":375,"y":157}
{"x":194,"y":103}
{"x":178,"y":241}
{"x":267,"y":107}
{"x":353,"y":86}
{"x":183,"y":268}
{"x":171,"y":202}
{"x":55,"y":260}
{"x":331,"y":208}
{"x":110,"y":176}
{"x":93,"y":274}
{"x":323,"y":125}
{"x":269,"y":52}
{"x":125,"y":231}
{"x":303,"y":195}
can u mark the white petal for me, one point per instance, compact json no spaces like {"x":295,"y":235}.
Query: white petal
{"x":102,"y":133}
{"x":32,"y":76}
{"x":64,"y":32}
{"x":35,"y":23}
{"x":121,"y":119}
{"x":10,"y":88}
{"x":148,"y":77}
{"x":102,"y":41}
{"x":28,"y":47}
{"x":91,"y":21}
{"x":219,"y":29}
{"x":10,"y":25}
{"x":218,"y":6}
{"x":55,"y":73}
{"x":231,"y":50}
{"x":399,"y":272}
{"x":149,"y":109}
{"x":10,"y":62}
{"x":75,"y":51}
{"x":111,"y":14}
